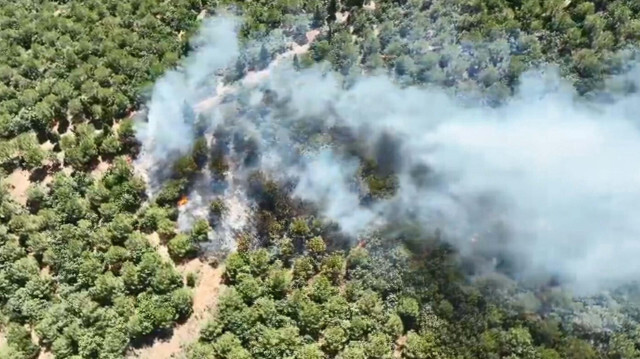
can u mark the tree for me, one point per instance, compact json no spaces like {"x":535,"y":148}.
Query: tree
{"x":166,"y":228}
{"x":259,"y":262}
{"x":200,"y":230}
{"x":185,"y":167}
{"x":393,"y":326}
{"x":249,"y":287}
{"x":211,"y":330}
{"x":127,"y":135}
{"x":182,"y":247}
{"x":121,"y":227}
{"x":322,"y":289}
{"x":303,"y":269}
{"x":574,"y":348}
{"x":264,"y":58}
{"x":115,"y":342}
{"x":19,"y":339}
{"x":200,"y":351}
{"x":332,"y":8}
{"x":316,"y":247}
{"x":276,"y":343}
{"x":165,"y":278}
{"x":334,"y":340}
{"x":422,"y":347}
{"x":30,"y":152}
{"x":354,"y":350}
{"x":236,"y":264}
{"x":309,"y":351}
{"x":110,"y":146}
{"x":408,"y":309}
{"x":137,"y":246}
{"x":181,"y":300}
{"x":151,"y":315}
{"x":171,"y":192}
{"x":278,"y":283}
{"x":333,"y":268}
{"x":130,"y":278}
{"x":107,"y":287}
{"x":226,"y":344}
{"x":517,"y":342}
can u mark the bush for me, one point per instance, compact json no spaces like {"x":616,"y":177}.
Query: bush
{"x":182,"y":247}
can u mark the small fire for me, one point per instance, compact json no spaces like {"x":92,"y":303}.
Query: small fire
{"x":182,"y":201}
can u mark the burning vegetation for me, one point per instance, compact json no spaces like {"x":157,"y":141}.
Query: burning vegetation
{"x":183,"y":201}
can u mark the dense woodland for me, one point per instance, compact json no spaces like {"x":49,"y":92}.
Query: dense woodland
{"x":79,"y":277}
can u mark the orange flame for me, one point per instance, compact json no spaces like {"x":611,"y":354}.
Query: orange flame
{"x":182,"y":201}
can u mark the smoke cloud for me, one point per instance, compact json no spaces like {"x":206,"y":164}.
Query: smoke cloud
{"x":171,"y":118}
{"x":548,"y":179}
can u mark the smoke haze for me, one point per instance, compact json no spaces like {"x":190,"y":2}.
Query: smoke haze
{"x":169,"y":129}
{"x":547,"y":179}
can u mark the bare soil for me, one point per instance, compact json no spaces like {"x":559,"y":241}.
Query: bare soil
{"x":100,"y":169}
{"x":18,"y":182}
{"x":397,"y":353}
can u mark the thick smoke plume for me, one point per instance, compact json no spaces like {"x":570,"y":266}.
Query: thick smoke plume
{"x":548,"y":180}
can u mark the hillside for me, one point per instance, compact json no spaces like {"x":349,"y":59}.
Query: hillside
{"x":304,"y":179}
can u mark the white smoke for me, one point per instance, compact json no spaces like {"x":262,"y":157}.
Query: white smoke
{"x":324,"y":180}
{"x":556,"y":175}
{"x":170,"y":117}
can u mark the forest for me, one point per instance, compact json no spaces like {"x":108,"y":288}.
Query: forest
{"x":92,"y":262}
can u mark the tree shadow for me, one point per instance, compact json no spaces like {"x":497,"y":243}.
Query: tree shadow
{"x":63,"y":125}
{"x":161,"y":335}
{"x":39,"y":174}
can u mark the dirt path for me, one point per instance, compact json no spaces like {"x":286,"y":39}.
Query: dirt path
{"x":253,"y":78}
{"x":205,"y":298}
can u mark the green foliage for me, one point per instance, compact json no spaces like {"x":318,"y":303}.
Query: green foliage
{"x":191,"y":279}
{"x":182,"y":247}
{"x":76,"y":267}
{"x":422,"y":347}
{"x":334,"y":339}
{"x":19,"y":340}
{"x":333,"y":267}
{"x":80,"y":147}
{"x":303,"y":269}
{"x":171,"y":192}
{"x":69,"y":261}
{"x":408,"y":309}
{"x":275,"y":342}
{"x":200,"y":230}
{"x":316,"y":246}
{"x":217,"y":207}
{"x":236,"y":265}
{"x":249,"y":287}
